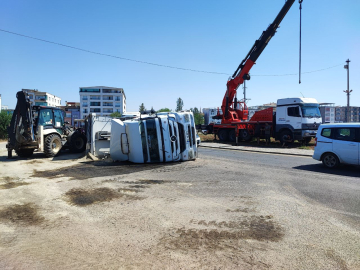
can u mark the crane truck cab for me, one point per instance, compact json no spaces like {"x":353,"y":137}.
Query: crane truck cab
{"x":298,"y":118}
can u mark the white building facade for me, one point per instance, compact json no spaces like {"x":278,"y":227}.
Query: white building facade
{"x":43,"y":98}
{"x":102,"y":100}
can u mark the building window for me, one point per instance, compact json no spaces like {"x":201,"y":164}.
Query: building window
{"x":95,"y":110}
{"x":89,"y":90}
{"x":95,"y":104}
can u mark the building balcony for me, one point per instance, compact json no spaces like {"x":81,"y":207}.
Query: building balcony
{"x":95,"y":98}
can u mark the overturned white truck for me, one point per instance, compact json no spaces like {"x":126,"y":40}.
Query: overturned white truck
{"x":162,"y":137}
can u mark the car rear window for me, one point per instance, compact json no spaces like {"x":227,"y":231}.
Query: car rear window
{"x":326,"y":132}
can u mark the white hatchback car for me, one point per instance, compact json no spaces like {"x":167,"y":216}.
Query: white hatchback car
{"x":338,"y":143}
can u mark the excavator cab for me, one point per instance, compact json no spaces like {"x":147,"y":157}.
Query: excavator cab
{"x":49,"y":118}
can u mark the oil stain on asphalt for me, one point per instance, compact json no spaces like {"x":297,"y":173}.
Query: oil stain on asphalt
{"x":25,"y":214}
{"x":83,"y":197}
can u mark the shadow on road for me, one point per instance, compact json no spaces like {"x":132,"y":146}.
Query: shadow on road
{"x":63,"y":155}
{"x":86,"y":170}
{"x":344,"y":170}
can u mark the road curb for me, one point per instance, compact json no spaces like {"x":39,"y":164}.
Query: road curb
{"x":258,"y":151}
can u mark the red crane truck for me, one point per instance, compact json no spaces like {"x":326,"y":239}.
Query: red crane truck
{"x":234,"y":113}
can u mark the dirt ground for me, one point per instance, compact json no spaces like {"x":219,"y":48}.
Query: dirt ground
{"x":71,"y":213}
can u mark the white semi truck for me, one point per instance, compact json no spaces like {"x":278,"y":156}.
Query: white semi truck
{"x":162,"y":137}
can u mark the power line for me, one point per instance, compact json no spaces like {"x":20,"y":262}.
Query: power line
{"x":293,"y":74}
{"x":114,"y":56}
{"x":155,"y":64}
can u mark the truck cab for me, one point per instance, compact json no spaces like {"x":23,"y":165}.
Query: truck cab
{"x":298,"y":118}
{"x":163,"y":137}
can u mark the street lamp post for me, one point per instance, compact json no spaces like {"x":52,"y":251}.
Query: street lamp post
{"x":348,"y":117}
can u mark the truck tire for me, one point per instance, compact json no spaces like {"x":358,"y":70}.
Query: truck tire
{"x":232,"y":135}
{"x":223,"y":135}
{"x":284,"y":134}
{"x":25,"y":153}
{"x":52,"y":145}
{"x":77,"y":142}
{"x":330,"y":160}
{"x":245,"y":135}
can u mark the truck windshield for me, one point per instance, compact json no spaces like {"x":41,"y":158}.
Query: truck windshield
{"x":310,"y":111}
{"x":143,"y":141}
{"x":152,"y":140}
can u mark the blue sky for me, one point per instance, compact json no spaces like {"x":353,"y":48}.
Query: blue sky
{"x":201,"y":35}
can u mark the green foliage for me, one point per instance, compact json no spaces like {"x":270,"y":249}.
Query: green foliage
{"x":142,"y":107}
{"x":198,"y":116}
{"x":179,"y":105}
{"x":5,"y":119}
{"x":164,"y":110}
{"x":115,"y":115}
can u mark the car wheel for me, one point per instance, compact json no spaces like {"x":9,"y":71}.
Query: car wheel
{"x":330,"y":160}
{"x":223,"y":135}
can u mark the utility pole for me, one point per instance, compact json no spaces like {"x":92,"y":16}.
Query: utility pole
{"x":348,"y":116}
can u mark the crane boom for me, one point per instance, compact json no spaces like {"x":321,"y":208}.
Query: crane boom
{"x":229,"y":107}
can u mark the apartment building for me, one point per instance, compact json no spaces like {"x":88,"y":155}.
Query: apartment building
{"x":43,"y":98}
{"x":338,"y":114}
{"x":102,"y":100}
{"x":72,"y":112}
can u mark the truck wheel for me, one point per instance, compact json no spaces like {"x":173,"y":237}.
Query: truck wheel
{"x":330,"y":160}
{"x":223,"y":135}
{"x":77,"y":142}
{"x":284,"y":135}
{"x":52,"y":145}
{"x":232,"y":135}
{"x":245,"y":135}
{"x":24,"y":152}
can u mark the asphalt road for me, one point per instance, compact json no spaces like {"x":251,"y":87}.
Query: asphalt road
{"x":337,"y":189}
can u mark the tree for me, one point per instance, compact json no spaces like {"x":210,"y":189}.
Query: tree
{"x":179,"y":105}
{"x":115,"y":115}
{"x":5,"y":119}
{"x":198,"y":116}
{"x":164,"y":110}
{"x":142,"y":108}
